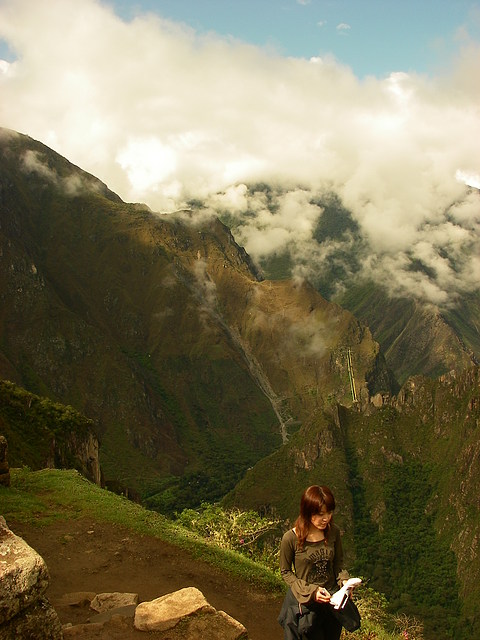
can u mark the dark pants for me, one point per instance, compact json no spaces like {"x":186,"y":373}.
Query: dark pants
{"x":311,"y":621}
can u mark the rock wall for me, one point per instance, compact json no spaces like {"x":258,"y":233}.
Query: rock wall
{"x":85,"y":449}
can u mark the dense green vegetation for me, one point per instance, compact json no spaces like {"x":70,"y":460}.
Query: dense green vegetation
{"x":404,"y":556}
{"x":38,"y":430}
{"x":217,"y":454}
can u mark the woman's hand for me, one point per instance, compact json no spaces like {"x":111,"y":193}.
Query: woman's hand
{"x":322,"y":595}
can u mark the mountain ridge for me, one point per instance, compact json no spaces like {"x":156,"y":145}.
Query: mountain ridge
{"x":157,"y":328}
{"x":416,"y":335}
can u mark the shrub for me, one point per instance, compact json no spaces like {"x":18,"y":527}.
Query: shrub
{"x":243,"y":531}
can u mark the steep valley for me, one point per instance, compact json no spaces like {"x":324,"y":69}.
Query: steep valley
{"x":200,"y":380}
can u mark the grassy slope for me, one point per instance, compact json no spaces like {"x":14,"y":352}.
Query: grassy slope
{"x":49,"y":495}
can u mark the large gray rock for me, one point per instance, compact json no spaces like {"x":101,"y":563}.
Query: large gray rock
{"x":25,"y":612}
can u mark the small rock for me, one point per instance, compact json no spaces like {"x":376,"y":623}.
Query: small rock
{"x":106,"y":601}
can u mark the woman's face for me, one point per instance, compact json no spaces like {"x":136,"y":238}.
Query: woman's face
{"x":321,"y":520}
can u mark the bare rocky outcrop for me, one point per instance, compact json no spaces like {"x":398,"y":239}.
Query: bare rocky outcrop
{"x":25,"y":612}
{"x":85,"y":448}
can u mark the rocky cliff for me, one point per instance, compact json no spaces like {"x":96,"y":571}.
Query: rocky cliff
{"x":42,"y":434}
{"x":25,"y":611}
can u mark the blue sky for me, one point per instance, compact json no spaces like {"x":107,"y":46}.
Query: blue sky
{"x":373,"y":37}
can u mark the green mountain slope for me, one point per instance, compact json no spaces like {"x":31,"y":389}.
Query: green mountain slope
{"x":416,"y":338}
{"x":160,"y":330}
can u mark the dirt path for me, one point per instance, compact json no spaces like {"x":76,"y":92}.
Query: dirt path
{"x":84,"y":555}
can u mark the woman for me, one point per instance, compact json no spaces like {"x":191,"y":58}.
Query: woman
{"x":311,"y":563}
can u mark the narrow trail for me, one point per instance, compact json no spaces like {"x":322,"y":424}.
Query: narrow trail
{"x":84,"y":555}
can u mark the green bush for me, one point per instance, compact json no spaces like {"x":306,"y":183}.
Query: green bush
{"x":243,"y":531}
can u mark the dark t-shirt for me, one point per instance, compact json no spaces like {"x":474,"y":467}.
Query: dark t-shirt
{"x":316,"y":565}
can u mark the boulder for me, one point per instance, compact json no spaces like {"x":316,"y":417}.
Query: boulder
{"x":25,"y":612}
{"x":216,"y":625}
{"x":167,"y":611}
{"x":186,"y":615}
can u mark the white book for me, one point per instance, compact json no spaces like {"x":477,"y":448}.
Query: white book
{"x":339,"y":599}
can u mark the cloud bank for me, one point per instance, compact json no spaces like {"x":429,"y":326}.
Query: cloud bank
{"x":164,"y":116}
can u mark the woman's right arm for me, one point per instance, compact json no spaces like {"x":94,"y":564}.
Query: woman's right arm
{"x":287,"y":557}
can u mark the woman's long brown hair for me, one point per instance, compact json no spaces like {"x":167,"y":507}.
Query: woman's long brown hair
{"x":313,"y":499}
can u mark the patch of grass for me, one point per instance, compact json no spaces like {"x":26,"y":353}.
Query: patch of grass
{"x":51,"y":495}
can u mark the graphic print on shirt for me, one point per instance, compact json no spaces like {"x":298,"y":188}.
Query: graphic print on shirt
{"x":318,"y":573}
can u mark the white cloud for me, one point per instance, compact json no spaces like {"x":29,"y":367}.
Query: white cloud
{"x":468,"y":177}
{"x":4,"y":67}
{"x":147,"y":163}
{"x":71,"y":185}
{"x":343,"y":28}
{"x":33,"y":163}
{"x":164,"y":115}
